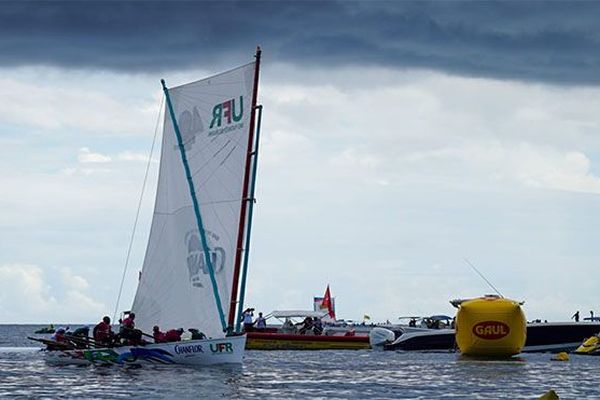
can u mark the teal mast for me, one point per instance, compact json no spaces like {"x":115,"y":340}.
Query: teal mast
{"x":188,"y":174}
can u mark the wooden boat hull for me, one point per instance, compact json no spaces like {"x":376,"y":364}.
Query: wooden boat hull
{"x":280,"y":341}
{"x":229,"y":350}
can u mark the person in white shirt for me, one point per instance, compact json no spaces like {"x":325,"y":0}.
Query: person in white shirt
{"x":261,"y":322}
{"x":248,"y":319}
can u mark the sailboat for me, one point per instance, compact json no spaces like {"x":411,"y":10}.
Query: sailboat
{"x":200,"y":233}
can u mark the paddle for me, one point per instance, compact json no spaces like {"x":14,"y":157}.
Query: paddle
{"x":84,"y":340}
{"x":48,"y":342}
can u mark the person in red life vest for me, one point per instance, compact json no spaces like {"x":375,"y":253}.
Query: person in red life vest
{"x":59,"y":335}
{"x":159,"y":337}
{"x":129,"y":322}
{"x":173,"y":335}
{"x":103,"y":333}
{"x":128,"y":331}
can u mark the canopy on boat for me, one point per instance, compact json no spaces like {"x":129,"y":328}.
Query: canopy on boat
{"x":297,"y":314}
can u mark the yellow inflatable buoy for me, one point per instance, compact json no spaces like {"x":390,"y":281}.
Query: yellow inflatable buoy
{"x":562,"y":356}
{"x":550,"y":395}
{"x":490,"y":326}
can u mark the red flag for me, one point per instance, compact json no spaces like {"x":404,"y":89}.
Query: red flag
{"x":327,"y":303}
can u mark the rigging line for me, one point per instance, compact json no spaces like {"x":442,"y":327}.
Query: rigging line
{"x":137,"y":214}
{"x":483,"y":277}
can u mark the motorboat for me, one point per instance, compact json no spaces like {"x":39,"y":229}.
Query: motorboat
{"x":285,"y":330}
{"x":541,"y":337}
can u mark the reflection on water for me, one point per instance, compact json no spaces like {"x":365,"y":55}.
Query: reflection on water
{"x":320,"y":374}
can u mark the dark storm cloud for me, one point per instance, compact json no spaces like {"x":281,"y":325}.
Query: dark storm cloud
{"x":540,"y":41}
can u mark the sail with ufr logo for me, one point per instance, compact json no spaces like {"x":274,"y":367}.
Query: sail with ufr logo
{"x":194,"y":271}
{"x":191,"y":267}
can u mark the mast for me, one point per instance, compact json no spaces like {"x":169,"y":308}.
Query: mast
{"x":249,"y":228}
{"x":188,"y":175}
{"x":240,"y":239}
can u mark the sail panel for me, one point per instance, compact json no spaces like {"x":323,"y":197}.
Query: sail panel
{"x":175,"y":290}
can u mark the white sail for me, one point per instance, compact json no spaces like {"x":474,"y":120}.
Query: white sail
{"x":175,"y":289}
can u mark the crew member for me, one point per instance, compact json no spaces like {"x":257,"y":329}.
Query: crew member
{"x":59,"y":335}
{"x":103,"y":333}
{"x":173,"y":335}
{"x":159,"y":337}
{"x":128,"y":331}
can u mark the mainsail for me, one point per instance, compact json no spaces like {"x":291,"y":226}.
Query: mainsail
{"x":175,"y":288}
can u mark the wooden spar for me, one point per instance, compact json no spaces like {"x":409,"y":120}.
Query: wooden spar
{"x":249,"y":227}
{"x":245,"y":199}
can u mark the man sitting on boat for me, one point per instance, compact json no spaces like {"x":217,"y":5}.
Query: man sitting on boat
{"x":196,"y":334}
{"x":59,"y":335}
{"x":79,"y":337}
{"x":172,"y":335}
{"x":317,"y":326}
{"x":159,"y":337}
{"x":306,"y":325}
{"x":128,"y":332}
{"x":103,"y":334}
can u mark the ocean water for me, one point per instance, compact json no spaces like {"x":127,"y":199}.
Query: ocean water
{"x":360,"y":374}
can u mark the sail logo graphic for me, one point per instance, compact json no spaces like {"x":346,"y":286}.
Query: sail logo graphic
{"x":226,"y":117}
{"x":491,"y":330}
{"x":196,"y":259}
{"x":223,"y":347}
{"x":190,"y":124}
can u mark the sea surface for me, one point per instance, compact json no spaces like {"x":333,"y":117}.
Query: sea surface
{"x":362,"y":374}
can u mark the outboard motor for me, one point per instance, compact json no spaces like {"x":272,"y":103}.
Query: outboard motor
{"x":378,"y":337}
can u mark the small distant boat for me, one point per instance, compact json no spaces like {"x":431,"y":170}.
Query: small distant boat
{"x":46,"y":330}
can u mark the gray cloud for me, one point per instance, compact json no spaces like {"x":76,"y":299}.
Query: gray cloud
{"x":532,"y":41}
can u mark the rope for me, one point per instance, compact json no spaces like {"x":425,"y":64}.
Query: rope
{"x":137,"y":215}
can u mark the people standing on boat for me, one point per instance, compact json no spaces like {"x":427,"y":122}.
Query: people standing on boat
{"x":159,"y":337}
{"x":248,"y":317}
{"x":591,"y":316}
{"x":261,"y":322}
{"x":103,"y":333}
{"x":576,"y":316}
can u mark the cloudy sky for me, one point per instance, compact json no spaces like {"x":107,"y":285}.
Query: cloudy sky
{"x":399,"y":138}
